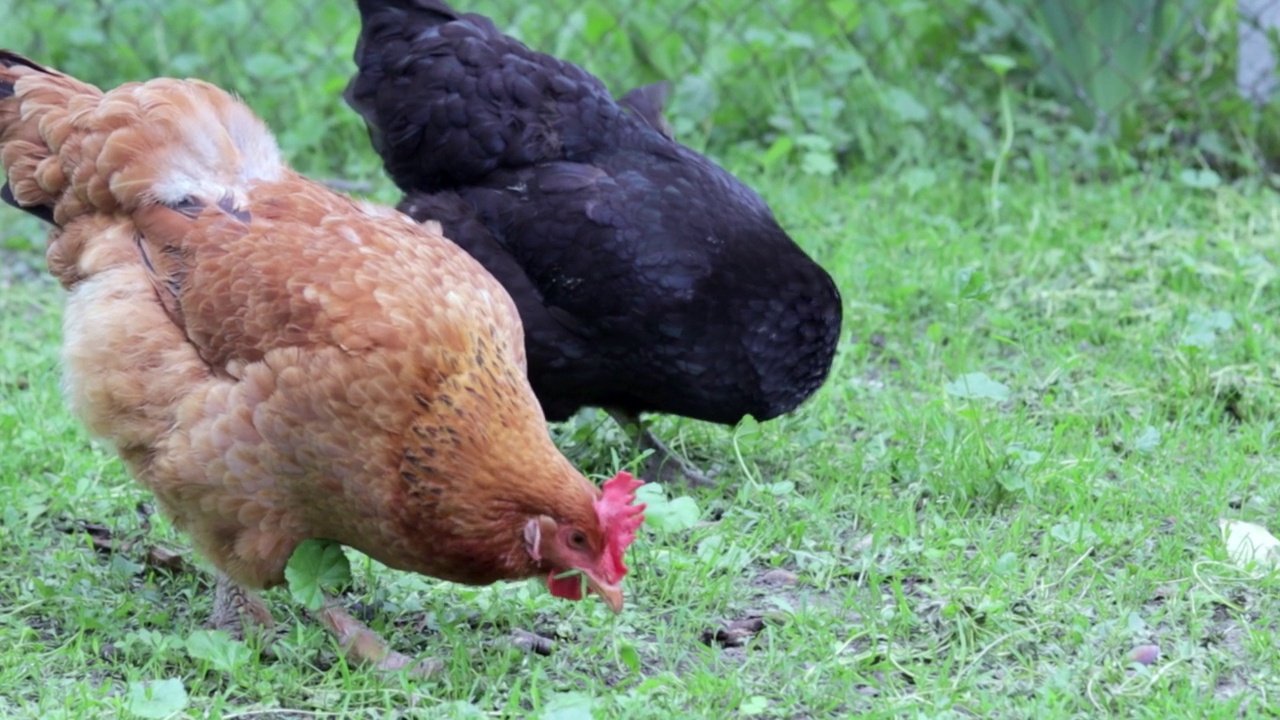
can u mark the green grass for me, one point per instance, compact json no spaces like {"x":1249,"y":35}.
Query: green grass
{"x":913,"y":552}
{"x":941,"y":556}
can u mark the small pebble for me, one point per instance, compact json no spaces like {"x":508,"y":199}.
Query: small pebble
{"x":778,"y":577}
{"x":1145,"y":654}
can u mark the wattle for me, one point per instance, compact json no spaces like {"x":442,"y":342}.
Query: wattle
{"x":569,"y":588}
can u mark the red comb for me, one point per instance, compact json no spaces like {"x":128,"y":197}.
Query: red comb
{"x":619,"y":518}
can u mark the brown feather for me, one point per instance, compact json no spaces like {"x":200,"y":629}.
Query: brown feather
{"x":276,"y":361}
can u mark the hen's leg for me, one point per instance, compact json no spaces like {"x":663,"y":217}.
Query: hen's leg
{"x":663,"y":461}
{"x":362,"y":645}
{"x":235,"y":608}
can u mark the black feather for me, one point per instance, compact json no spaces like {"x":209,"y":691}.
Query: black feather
{"x":427,"y":7}
{"x":8,"y":59}
{"x":647,"y":278}
{"x":648,"y":102}
{"x":40,"y":211}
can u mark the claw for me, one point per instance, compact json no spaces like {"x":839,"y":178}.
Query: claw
{"x":664,"y":460}
{"x":364,"y":646}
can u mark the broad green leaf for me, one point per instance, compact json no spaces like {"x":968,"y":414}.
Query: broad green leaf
{"x":917,"y":179}
{"x":1203,"y":328}
{"x":782,"y":487}
{"x":457,"y":710}
{"x":1135,"y":624}
{"x":1006,"y":563}
{"x":1199,"y":179}
{"x":721,"y":555}
{"x":156,"y":698}
{"x":819,"y":163}
{"x":667,"y":515}
{"x":1000,"y":64}
{"x":568,"y":706}
{"x":1024,"y":456}
{"x":316,"y":565}
{"x":1147,"y":441}
{"x":1073,"y":532}
{"x":1249,"y":544}
{"x":754,"y":705}
{"x":218,"y":649}
{"x":123,"y":567}
{"x":977,"y":386}
{"x":629,"y":657}
{"x":905,"y":105}
{"x":973,"y":283}
{"x":747,"y":433}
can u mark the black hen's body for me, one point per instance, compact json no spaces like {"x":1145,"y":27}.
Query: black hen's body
{"x":647,"y":277}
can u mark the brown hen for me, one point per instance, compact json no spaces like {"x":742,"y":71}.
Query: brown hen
{"x":278,"y":362}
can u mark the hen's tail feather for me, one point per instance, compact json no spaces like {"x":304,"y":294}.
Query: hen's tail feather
{"x":68,"y":151}
{"x":21,"y":163}
{"x":648,"y":102}
{"x":9,"y":60}
{"x":43,"y":212}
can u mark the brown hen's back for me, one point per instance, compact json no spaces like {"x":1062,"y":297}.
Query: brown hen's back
{"x":277,"y":362}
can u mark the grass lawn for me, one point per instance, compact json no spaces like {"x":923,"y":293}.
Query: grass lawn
{"x":1011,"y":481}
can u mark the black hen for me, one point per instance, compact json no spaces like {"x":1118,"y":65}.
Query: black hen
{"x":648,"y":278}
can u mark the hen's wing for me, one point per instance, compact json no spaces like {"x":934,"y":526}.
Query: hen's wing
{"x":300,"y":267}
{"x":676,"y":302}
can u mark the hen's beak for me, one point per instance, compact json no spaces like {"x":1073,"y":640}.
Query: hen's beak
{"x":611,"y":594}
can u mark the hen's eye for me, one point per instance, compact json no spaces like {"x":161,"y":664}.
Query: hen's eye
{"x":578,"y":540}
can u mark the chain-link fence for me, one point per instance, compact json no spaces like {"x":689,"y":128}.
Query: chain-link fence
{"x":828,"y":82}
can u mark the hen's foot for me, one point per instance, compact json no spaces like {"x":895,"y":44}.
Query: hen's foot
{"x":532,"y":643}
{"x":664,"y":466}
{"x":236,"y":609}
{"x":362,"y":645}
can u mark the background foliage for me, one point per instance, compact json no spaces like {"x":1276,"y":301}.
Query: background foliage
{"x":1092,"y":85}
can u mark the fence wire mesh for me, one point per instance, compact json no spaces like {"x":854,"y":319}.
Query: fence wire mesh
{"x":829,"y":81}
